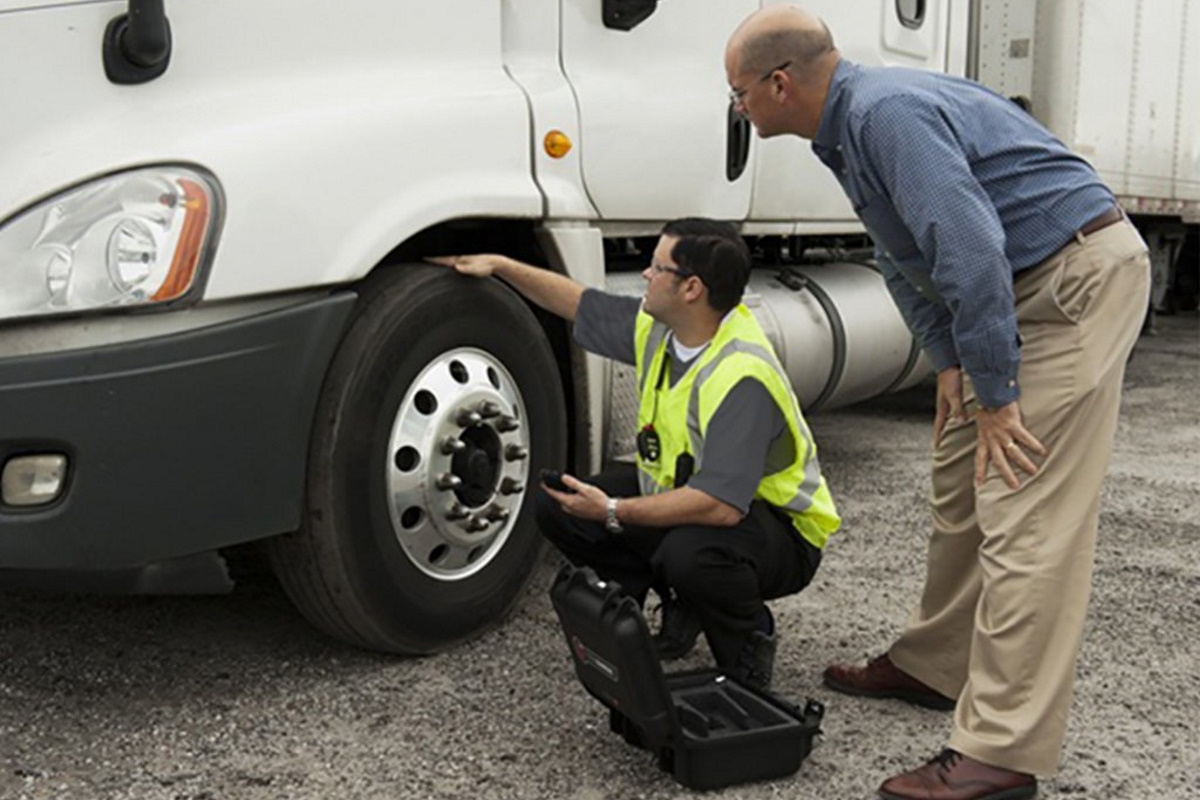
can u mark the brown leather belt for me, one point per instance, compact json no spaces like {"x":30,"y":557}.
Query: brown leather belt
{"x":1110,"y":217}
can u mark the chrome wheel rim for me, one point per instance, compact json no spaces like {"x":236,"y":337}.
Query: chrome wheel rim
{"x":457,"y":463}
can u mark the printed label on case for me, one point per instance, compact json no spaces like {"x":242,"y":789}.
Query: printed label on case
{"x":588,"y":656}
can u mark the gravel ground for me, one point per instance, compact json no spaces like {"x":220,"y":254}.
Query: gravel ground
{"x":236,"y":697}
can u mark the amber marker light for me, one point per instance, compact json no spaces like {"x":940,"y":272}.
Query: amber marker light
{"x":557,"y":144}
{"x":191,"y":240}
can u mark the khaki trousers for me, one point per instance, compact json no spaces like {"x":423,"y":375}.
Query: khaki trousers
{"x":1009,"y":571}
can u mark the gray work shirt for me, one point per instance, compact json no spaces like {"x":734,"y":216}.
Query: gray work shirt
{"x":747,"y":437}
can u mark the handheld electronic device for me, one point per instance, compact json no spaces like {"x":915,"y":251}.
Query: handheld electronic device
{"x":553,"y":479}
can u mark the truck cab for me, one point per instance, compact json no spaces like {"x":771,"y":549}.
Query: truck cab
{"x":217,"y":324}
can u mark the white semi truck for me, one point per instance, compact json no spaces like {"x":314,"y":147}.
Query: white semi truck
{"x":216,"y":325}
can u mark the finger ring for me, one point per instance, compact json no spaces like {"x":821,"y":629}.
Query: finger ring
{"x":1011,"y":444}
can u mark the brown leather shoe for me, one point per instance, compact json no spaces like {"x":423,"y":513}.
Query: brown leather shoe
{"x":881,"y":678}
{"x":953,"y":776}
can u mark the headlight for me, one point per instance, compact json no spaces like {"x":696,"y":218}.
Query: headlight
{"x":136,"y":238}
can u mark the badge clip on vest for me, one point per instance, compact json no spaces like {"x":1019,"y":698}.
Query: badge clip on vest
{"x":705,"y":729}
{"x":649,"y":446}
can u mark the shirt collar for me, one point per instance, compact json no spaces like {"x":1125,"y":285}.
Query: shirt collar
{"x":827,"y":144}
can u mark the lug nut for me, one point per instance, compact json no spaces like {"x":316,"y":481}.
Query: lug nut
{"x":448,"y":480}
{"x":511,"y":486}
{"x":477,"y":524}
{"x":488,"y":409}
{"x":456,"y":511}
{"x":466,"y":418}
{"x":515,"y":452}
{"x":497,"y":514}
{"x":452,"y":444}
{"x":506,"y":424}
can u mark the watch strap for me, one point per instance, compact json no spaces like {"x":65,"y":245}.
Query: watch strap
{"x":611,"y":522}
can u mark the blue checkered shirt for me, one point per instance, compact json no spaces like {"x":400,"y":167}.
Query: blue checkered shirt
{"x":961,"y":190}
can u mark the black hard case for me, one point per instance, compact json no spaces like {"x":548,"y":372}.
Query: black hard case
{"x":706,"y":729}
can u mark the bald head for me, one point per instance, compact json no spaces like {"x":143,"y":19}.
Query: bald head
{"x":779,"y":63}
{"x":780,"y":34}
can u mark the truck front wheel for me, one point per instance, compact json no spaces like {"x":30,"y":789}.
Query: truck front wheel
{"x":440,"y":406}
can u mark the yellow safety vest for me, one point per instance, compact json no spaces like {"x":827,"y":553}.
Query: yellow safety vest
{"x":680,"y":415}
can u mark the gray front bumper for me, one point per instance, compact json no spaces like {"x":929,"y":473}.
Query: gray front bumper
{"x":178,"y":444}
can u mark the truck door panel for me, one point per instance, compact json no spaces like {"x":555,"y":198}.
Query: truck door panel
{"x":652,"y":103}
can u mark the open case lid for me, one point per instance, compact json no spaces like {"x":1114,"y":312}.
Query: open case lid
{"x":612,"y":650}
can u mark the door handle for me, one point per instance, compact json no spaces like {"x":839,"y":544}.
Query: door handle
{"x":737,"y":144}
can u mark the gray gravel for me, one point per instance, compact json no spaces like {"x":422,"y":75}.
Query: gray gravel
{"x":236,"y":697}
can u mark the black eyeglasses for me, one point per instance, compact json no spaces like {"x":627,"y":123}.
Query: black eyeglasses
{"x":679,"y":273}
{"x":736,"y":95}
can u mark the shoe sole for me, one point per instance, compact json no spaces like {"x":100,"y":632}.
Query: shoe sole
{"x":1016,"y":793}
{"x":932,"y":702}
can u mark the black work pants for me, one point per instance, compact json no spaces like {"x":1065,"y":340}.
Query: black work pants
{"x":725,"y":574}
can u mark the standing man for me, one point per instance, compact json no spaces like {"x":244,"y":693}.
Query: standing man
{"x":1011,"y":261}
{"x":726,"y":507}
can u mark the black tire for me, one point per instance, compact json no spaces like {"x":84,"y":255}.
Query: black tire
{"x":383,"y":559}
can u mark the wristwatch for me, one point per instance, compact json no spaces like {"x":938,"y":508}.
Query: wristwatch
{"x":611,"y":523}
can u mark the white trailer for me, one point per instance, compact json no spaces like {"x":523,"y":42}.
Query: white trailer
{"x":1119,"y":82}
{"x":216,"y":326}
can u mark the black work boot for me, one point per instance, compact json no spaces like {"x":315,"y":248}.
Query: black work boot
{"x":680,"y":628}
{"x":756,"y":664}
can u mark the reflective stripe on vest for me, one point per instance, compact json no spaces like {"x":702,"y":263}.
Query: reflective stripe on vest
{"x":680,"y":415}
